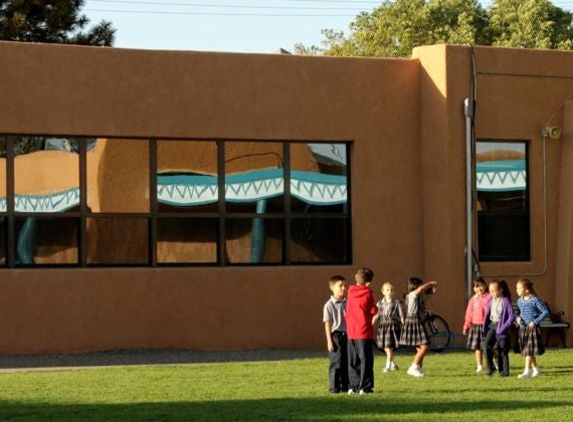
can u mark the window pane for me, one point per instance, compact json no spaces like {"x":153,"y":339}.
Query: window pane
{"x":319,"y":181}
{"x":187,"y":176}
{"x":118,"y":176}
{"x":3,"y":202}
{"x":46,"y":240}
{"x":324,"y":240}
{"x":3,"y":222}
{"x":502,"y":201}
{"x":46,"y":173}
{"x":254,"y":177}
{"x":117,"y":241}
{"x":187,"y":240}
{"x":254,"y":241}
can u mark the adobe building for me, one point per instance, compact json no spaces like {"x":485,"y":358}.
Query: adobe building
{"x":186,"y":200}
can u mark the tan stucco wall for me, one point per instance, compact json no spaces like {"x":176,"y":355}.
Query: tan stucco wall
{"x":406,"y":124}
{"x":206,"y":96}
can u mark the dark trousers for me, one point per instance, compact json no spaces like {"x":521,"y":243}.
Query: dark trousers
{"x":361,"y":364}
{"x":338,"y":363}
{"x":490,"y":342}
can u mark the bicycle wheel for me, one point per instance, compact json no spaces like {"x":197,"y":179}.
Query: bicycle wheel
{"x":439,"y":332}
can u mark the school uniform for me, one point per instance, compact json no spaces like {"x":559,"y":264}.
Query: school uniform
{"x":390,"y":316}
{"x":333,"y":313}
{"x":530,"y":340}
{"x":413,"y":332}
{"x":499,"y":317}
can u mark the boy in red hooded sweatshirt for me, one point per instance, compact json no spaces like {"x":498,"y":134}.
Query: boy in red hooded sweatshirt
{"x":360,"y":309}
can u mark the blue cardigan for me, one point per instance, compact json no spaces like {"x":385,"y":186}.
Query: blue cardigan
{"x":505,"y":319}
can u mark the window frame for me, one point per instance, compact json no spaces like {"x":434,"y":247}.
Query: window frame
{"x":222,"y":215}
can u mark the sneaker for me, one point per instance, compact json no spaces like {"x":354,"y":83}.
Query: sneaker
{"x":525,"y":375}
{"x":386,"y":370}
{"x":535,"y":373}
{"x":351,"y":391}
{"x":393,"y":367}
{"x":365,"y":392}
{"x":479,"y":369}
{"x":415,"y":372}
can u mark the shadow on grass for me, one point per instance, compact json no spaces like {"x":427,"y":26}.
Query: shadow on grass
{"x":327,"y":408}
{"x":150,"y":357}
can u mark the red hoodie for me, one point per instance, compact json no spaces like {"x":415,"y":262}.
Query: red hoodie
{"x":360,"y":308}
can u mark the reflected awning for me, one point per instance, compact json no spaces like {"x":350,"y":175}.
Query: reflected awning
{"x":501,"y":176}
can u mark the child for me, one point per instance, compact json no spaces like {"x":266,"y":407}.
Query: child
{"x":475,"y":316}
{"x":335,"y":328}
{"x":498,"y":319}
{"x":532,"y":311}
{"x":413,"y":333}
{"x":391,"y":317}
{"x":359,"y":312}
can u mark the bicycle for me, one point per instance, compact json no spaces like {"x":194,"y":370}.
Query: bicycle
{"x":438,"y":330}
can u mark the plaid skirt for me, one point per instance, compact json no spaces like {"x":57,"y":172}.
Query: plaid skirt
{"x":413,"y":332}
{"x":388,"y":334}
{"x":530,"y":341}
{"x":475,"y":337}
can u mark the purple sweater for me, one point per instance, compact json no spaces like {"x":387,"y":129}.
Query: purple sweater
{"x":505,"y":319}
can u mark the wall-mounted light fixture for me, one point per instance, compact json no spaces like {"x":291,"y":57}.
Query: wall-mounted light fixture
{"x":552,"y":132}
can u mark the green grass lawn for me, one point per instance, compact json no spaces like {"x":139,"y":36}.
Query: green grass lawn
{"x":290,"y":390}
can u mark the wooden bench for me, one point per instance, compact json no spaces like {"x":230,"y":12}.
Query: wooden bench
{"x":555,"y":325}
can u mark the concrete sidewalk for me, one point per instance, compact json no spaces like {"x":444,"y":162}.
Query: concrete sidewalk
{"x":19,"y":363}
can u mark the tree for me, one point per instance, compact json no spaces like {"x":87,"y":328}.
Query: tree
{"x":396,"y":27}
{"x":51,"y":21}
{"x":530,"y":24}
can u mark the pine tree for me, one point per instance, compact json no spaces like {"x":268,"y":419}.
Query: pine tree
{"x":51,"y":21}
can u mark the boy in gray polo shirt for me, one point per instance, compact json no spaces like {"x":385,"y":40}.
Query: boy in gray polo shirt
{"x":336,"y":341}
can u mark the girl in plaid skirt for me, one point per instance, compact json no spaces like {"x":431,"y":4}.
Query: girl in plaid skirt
{"x":532,"y":311}
{"x":473,"y":322}
{"x":413,"y":332}
{"x":390,"y":316}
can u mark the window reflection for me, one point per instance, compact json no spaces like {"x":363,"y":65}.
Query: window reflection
{"x":502,"y":201}
{"x":254,"y":241}
{"x":118,"y":176}
{"x":44,"y":240}
{"x":254,"y":177}
{"x":46,"y":174}
{"x":187,"y":176}
{"x":318,"y":178}
{"x":187,"y":240}
{"x":117,"y":240}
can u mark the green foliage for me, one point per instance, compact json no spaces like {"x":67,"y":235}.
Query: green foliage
{"x":396,"y":27}
{"x":51,"y":21}
{"x":290,"y":390}
{"x":530,"y":24}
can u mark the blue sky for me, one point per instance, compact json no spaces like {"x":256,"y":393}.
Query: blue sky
{"x":253,"y":26}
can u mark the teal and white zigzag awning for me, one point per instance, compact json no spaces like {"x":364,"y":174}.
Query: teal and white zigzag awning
{"x":501,"y":176}
{"x":57,"y":202}
{"x":193,"y":190}
{"x":310,"y":187}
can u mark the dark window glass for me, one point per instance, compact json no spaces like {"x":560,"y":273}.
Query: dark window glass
{"x":502,"y":201}
{"x":46,"y":240}
{"x":324,"y":240}
{"x":3,"y":220}
{"x":254,"y":241}
{"x":187,"y":240}
{"x":117,"y":240}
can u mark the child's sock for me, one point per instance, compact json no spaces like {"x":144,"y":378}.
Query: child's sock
{"x":479,"y":368}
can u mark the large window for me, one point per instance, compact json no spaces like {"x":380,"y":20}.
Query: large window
{"x":154,"y":202}
{"x":502,"y":201}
